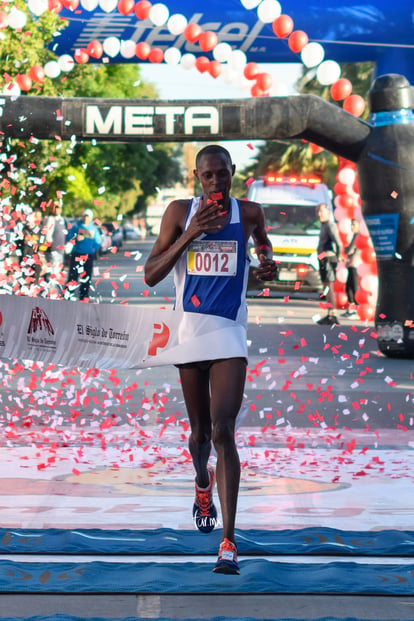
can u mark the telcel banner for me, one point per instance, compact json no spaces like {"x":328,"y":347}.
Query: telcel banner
{"x":109,"y":336}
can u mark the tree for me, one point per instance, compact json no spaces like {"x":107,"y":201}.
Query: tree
{"x":113,"y":178}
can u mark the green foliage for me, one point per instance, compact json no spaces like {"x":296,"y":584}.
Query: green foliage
{"x":106,"y":176}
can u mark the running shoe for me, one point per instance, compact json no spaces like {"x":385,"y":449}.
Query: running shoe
{"x":329,"y":320}
{"x":227,"y":559}
{"x":204,"y":511}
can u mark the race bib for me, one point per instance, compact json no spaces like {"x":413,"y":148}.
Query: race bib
{"x":212,"y":258}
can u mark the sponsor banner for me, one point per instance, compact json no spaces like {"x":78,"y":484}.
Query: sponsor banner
{"x":109,"y":336}
{"x":383,"y":229}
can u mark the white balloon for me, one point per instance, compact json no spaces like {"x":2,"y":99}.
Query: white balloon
{"x":346,"y":176}
{"x":188,"y":61}
{"x":228,"y":75}
{"x":328,"y":72}
{"x":66,"y":62}
{"x":177,"y":24}
{"x":370,"y":283}
{"x":243,"y":84}
{"x":159,"y":14}
{"x":12,"y":89}
{"x":278,"y":89}
{"x":128,"y":48}
{"x":312,"y":54}
{"x":111,"y":46}
{"x":52,"y":69}
{"x":17,"y":19}
{"x":38,"y":7}
{"x":268,"y":11}
{"x":172,"y":56}
{"x":341,"y":273}
{"x":222,"y":52}
{"x":89,"y":5}
{"x":237,"y":60}
{"x":108,"y":5}
{"x":250,"y":4}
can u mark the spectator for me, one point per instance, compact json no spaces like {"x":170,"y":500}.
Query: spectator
{"x":353,"y":260}
{"x":329,"y":251}
{"x":56,"y":231}
{"x":85,"y":238}
{"x":33,"y":246}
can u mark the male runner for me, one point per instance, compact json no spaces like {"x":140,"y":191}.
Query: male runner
{"x":214,"y":228}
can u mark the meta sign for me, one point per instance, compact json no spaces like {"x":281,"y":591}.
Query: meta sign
{"x":127,"y":120}
{"x":117,"y":120}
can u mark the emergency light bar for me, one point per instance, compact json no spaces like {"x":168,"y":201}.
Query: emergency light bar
{"x":279,"y":179}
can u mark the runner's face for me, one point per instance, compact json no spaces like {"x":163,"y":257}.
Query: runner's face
{"x":215,"y":174}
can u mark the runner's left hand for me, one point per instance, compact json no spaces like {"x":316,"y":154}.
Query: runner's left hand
{"x":267,"y":269}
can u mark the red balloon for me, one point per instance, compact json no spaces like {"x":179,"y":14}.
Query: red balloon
{"x":297,"y":41}
{"x":142,"y":9}
{"x":156,"y":55}
{"x":341,"y":299}
{"x":81,"y":56}
{"x":338,"y":286}
{"x":250,"y":71}
{"x":24,"y":81}
{"x":71,"y":5}
{"x":354,"y":104}
{"x":192,"y":32}
{"x":207,"y":40}
{"x":3,"y":19}
{"x":366,"y":312}
{"x":368,"y":255}
{"x":95,"y":49}
{"x":202,"y":63}
{"x":214,"y":68}
{"x":367,"y":269}
{"x":54,"y":6}
{"x":362,"y":241}
{"x":126,"y":7}
{"x":263,"y":81}
{"x":345,"y":201}
{"x":282,"y":26}
{"x":255,"y":91}
{"x":142,"y":50}
{"x":341,"y":89}
{"x":37,"y":74}
{"x":340,"y":188}
{"x":362,"y":296}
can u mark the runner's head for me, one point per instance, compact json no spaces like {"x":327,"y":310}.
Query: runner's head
{"x":214,"y":170}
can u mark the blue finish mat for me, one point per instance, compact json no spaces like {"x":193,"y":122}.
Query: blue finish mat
{"x":62,"y":617}
{"x":257,"y":576}
{"x":168,"y":541}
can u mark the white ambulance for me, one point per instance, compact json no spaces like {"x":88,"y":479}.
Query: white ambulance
{"x":289,"y":204}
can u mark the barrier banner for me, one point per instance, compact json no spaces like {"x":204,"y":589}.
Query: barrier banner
{"x":112,"y":336}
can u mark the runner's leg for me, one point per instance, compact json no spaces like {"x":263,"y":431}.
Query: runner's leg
{"x":196,"y":391}
{"x":227,"y":378}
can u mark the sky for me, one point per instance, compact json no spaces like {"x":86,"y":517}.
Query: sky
{"x":174,"y":82}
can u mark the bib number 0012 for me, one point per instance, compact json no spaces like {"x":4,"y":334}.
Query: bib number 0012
{"x":206,"y":258}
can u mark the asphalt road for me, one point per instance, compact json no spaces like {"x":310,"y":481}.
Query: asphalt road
{"x":301,"y":374}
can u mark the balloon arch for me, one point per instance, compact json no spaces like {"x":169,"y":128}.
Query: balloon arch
{"x":232,"y":64}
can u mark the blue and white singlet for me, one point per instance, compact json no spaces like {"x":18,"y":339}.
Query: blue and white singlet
{"x":211,"y":275}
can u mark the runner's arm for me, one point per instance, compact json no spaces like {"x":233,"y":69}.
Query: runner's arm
{"x":169,"y":245}
{"x":267,"y":269}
